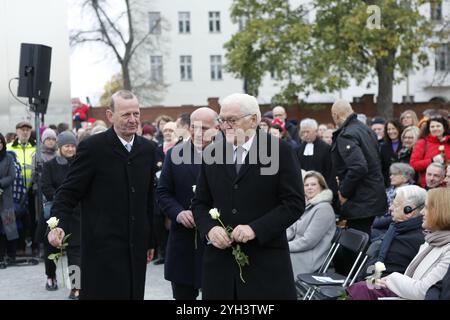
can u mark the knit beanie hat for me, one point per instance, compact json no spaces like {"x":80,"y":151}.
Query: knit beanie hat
{"x":66,"y":137}
{"x":48,"y":134}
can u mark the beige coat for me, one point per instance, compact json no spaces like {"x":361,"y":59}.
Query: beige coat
{"x":432,"y":269}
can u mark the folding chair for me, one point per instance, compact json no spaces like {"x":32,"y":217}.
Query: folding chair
{"x":351,"y":239}
{"x":301,"y":289}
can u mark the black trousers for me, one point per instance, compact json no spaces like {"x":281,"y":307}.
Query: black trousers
{"x":184,"y":292}
{"x":2,"y":247}
{"x":344,"y":258}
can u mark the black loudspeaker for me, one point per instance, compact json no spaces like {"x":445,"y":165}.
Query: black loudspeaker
{"x":34,"y":71}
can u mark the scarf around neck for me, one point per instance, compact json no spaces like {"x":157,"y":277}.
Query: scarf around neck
{"x":435,"y":239}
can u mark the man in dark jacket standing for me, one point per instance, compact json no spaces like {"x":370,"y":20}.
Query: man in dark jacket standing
{"x":112,"y":177}
{"x":357,"y":163}
{"x":176,"y":188}
{"x":255,"y":183}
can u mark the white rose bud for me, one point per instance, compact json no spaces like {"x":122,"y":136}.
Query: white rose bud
{"x":214,"y":213}
{"x":52,"y":222}
{"x":379,"y":267}
{"x":194,"y":187}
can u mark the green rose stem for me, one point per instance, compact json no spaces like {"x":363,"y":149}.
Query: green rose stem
{"x":239,"y":256}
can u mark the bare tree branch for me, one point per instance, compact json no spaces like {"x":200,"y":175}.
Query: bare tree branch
{"x":95,"y":6}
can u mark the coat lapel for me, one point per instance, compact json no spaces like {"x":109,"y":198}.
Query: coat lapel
{"x":118,"y":147}
{"x":246,"y":166}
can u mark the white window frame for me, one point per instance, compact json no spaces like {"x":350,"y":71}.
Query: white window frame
{"x":184,"y":22}
{"x":156,"y":69}
{"x":154,"y":22}
{"x":214,"y":21}
{"x":216,"y":67}
{"x":186,"y":68}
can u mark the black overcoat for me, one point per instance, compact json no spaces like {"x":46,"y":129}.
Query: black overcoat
{"x":115,"y":191}
{"x":268,"y":203}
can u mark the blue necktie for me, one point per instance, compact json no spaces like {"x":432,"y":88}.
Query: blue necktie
{"x":128,"y":147}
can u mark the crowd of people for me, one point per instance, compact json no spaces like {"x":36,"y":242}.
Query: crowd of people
{"x":126,"y":198}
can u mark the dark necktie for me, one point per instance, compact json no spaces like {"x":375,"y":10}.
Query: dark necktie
{"x":239,"y":153}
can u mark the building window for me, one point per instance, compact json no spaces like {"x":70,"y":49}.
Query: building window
{"x":154,"y":22}
{"x":216,"y":67}
{"x":156,"y":69}
{"x":214,"y":21}
{"x":242,"y":22}
{"x":442,"y":61}
{"x":436,"y":11}
{"x":184,"y":22}
{"x":186,"y":68}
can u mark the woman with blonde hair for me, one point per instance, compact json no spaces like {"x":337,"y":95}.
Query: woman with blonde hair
{"x":408,"y":118}
{"x":408,"y":138}
{"x":428,"y":266}
{"x":310,"y":236}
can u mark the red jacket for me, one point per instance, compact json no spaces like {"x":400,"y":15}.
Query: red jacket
{"x":82,"y":111}
{"x":422,"y":156}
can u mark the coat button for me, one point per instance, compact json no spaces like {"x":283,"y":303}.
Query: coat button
{"x":133,"y":218}
{"x":129,"y":162}
{"x":236,"y":187}
{"x":132,"y":190}
{"x":234,"y":211}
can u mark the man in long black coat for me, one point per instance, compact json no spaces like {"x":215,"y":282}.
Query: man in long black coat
{"x":175,"y":192}
{"x":259,"y":198}
{"x":114,"y":186}
{"x":358,"y":167}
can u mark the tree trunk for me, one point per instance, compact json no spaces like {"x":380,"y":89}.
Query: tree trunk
{"x":385,"y":72}
{"x":126,"y":77}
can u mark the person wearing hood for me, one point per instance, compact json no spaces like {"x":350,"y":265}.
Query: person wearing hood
{"x":310,"y":236}
{"x":53,"y":175}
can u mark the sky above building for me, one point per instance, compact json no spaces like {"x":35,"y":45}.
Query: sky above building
{"x":91,"y":65}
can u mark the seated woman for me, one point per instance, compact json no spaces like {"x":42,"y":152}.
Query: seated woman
{"x":401,"y":174}
{"x":428,"y":266}
{"x":310,"y":236}
{"x":402,"y":241}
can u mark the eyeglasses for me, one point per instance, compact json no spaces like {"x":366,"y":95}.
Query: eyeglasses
{"x":232,"y":121}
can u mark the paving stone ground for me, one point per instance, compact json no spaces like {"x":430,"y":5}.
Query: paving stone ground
{"x":28,"y":283}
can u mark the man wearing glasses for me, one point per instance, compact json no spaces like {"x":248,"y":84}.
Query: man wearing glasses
{"x":257,"y":204}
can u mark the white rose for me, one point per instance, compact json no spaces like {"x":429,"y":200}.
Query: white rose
{"x":52,"y":222}
{"x":214,"y":213}
{"x":194,"y":187}
{"x":379,"y":267}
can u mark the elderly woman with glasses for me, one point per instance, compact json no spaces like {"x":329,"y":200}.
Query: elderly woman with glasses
{"x":401,"y":174}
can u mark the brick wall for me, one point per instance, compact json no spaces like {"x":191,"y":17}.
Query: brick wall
{"x":319,"y":111}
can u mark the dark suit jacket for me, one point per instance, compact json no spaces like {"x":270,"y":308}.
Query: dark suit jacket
{"x":115,"y":191}
{"x":175,"y":193}
{"x":267,"y":203}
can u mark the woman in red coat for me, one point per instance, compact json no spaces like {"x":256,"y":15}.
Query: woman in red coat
{"x":433,"y":146}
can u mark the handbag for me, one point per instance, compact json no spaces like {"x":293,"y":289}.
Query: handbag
{"x":47,"y":207}
{"x":8,"y":219}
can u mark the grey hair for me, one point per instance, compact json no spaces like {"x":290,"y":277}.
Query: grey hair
{"x":124,"y":94}
{"x":414,"y":195}
{"x":247,"y":103}
{"x":415,"y":131}
{"x":404,"y":169}
{"x":439,"y":166}
{"x":309,"y":123}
